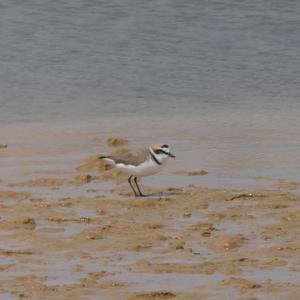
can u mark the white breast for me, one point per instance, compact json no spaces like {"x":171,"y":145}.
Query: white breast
{"x":149,"y":167}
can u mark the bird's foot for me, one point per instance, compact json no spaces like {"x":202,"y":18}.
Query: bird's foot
{"x":141,"y":195}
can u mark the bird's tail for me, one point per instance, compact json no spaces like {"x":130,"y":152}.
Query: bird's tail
{"x":108,"y":159}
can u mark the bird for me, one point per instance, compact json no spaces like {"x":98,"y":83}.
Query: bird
{"x":148,"y":163}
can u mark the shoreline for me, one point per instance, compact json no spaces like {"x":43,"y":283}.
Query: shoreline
{"x":231,"y":147}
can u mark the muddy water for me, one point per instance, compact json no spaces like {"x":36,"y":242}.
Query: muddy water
{"x":65,"y":234}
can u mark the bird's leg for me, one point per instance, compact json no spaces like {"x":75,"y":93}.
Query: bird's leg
{"x":129,"y":180}
{"x":141,"y":194}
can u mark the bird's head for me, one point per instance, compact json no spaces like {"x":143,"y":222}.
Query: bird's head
{"x":161,"y":152}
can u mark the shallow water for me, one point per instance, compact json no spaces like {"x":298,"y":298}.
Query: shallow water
{"x":237,"y":148}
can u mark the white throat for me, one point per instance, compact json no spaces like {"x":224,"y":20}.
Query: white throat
{"x":158,"y":158}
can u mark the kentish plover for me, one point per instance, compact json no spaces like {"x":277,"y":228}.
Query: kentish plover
{"x":149,"y":163}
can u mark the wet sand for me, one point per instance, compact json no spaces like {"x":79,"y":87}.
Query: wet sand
{"x":74,"y":231}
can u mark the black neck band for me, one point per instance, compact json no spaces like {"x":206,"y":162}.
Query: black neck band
{"x":155,"y":159}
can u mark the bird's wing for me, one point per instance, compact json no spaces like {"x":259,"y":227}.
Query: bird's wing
{"x":131,"y":158}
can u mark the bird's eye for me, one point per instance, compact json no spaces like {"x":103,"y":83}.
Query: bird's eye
{"x":160,"y":151}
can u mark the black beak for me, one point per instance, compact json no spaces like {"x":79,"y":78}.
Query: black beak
{"x":171,"y":155}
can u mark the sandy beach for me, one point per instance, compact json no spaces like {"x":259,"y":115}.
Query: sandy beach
{"x":74,"y":231}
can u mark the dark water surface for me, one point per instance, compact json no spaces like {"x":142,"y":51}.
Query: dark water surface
{"x":69,"y":59}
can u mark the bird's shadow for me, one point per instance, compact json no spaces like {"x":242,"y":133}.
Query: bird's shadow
{"x":163,"y":194}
